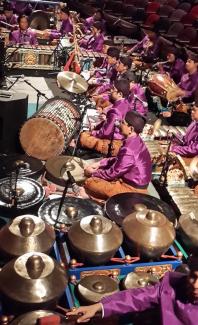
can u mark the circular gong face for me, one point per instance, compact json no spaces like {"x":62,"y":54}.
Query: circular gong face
{"x":29,"y":193}
{"x":32,"y":317}
{"x":82,"y":208}
{"x":121,"y":205}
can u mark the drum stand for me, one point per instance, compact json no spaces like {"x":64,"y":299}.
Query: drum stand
{"x":39,"y":93}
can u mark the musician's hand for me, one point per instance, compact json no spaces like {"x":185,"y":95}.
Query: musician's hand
{"x":89,"y":170}
{"x":46,"y":33}
{"x":87,"y":311}
{"x":180,"y":93}
{"x":166,"y":114}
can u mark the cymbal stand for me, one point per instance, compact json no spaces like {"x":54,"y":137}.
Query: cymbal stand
{"x":39,"y":93}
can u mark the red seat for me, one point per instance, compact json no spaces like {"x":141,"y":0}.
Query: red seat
{"x":172,"y":3}
{"x":152,"y":7}
{"x":188,"y":20}
{"x":177,"y":15}
{"x":151,"y":20}
{"x":187,"y":35}
{"x":174,"y":30}
{"x":165,"y":11}
{"x":194,"y":11}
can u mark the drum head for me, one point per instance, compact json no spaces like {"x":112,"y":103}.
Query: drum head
{"x":84,"y":207}
{"x":121,"y":205}
{"x":42,"y":138}
{"x":39,"y":20}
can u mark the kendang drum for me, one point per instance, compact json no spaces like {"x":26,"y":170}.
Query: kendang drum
{"x":48,"y":132}
{"x":162,"y":86}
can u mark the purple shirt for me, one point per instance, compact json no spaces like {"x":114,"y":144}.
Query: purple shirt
{"x":189,"y":83}
{"x":106,"y":128}
{"x":142,"y":48}
{"x":66,"y":27}
{"x":12,"y":20}
{"x":135,"y":103}
{"x":190,"y":142}
{"x":169,"y":295}
{"x":111,"y":74}
{"x":22,"y":7}
{"x":175,"y":69}
{"x":132,"y":164}
{"x":23,"y":37}
{"x":94,"y":43}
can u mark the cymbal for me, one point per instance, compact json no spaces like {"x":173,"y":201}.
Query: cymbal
{"x":32,"y":317}
{"x":194,"y":168}
{"x":138,"y":280}
{"x":72,"y":82}
{"x":73,"y":209}
{"x":57,"y":169}
{"x":93,"y":288}
{"x":26,"y":233}
{"x":121,"y":205}
{"x":33,"y":278}
{"x":31,"y":167}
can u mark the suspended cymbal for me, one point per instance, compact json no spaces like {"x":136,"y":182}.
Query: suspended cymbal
{"x":57,"y":169}
{"x":33,"y":278}
{"x":121,"y":205}
{"x":39,"y":20}
{"x":30,"y":167}
{"x":138,"y":280}
{"x":72,"y":82}
{"x":73,"y":209}
{"x":93,"y":288}
{"x":194,"y":168}
{"x":26,"y":233}
{"x":32,"y":318}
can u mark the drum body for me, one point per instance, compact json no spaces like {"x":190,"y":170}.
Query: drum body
{"x":48,"y":132}
{"x":162,"y":86}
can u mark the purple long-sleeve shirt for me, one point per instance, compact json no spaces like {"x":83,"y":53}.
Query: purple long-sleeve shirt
{"x":190,"y":142}
{"x":132,"y":164}
{"x":22,"y":7}
{"x":111,"y":74}
{"x":169,"y":295}
{"x":175,"y":69}
{"x":189,"y":83}
{"x":106,"y":128}
{"x":135,"y":103}
{"x":94,"y":43}
{"x":66,"y":27}
{"x":23,"y":37}
{"x":12,"y":20}
{"x":142,"y":48}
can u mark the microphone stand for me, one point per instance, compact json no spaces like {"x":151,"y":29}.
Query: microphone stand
{"x":110,"y":146}
{"x":163,"y":175}
{"x":14,"y":82}
{"x":81,"y":127}
{"x":39,"y":93}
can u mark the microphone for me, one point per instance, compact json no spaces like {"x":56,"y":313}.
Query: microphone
{"x":17,"y":76}
{"x":116,"y":22}
{"x":145,"y":104}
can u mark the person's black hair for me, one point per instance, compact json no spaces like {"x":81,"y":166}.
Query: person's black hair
{"x":8,"y":6}
{"x":173,"y":50}
{"x":135,"y":120}
{"x":101,"y":13}
{"x":65,"y":10}
{"x":22,"y":16}
{"x":126,"y":60}
{"x":114,"y":52}
{"x":98,"y":24}
{"x":122,"y":86}
{"x":108,"y":42}
{"x":193,"y":263}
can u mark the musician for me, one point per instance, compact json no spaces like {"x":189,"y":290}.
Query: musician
{"x":8,"y":16}
{"x":66,"y":25}
{"x":23,"y":35}
{"x":130,"y":171}
{"x":99,"y":138}
{"x":22,"y":8}
{"x":108,"y":68}
{"x":97,"y":16}
{"x":96,"y":40}
{"x":175,"y":66}
{"x":123,"y":68}
{"x":137,"y":99}
{"x":188,"y":146}
{"x":148,"y":47}
{"x":176,"y":296}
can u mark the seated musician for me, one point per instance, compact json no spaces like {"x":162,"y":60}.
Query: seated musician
{"x":130,"y":171}
{"x":97,"y":16}
{"x":99,"y":138}
{"x":137,"y":99}
{"x":95,"y":40}
{"x":22,"y":8}
{"x":147,"y":48}
{"x":175,"y":66}
{"x":176,"y":296}
{"x":123,"y":68}
{"x":8,"y":16}
{"x":65,"y":28}
{"x":23,"y":35}
{"x":188,"y":146}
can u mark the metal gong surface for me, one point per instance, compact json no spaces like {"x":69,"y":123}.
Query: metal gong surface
{"x":31,"y":167}
{"x":73,"y":209}
{"x":32,"y":318}
{"x":30,"y":193}
{"x":121,"y":205}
